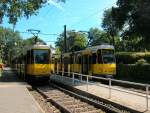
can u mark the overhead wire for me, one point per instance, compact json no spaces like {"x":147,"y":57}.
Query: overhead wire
{"x":41,"y":34}
{"x":43,"y":16}
{"x":85,"y":18}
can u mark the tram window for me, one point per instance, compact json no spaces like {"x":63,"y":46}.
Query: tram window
{"x":94,"y":58}
{"x":79,"y":58}
{"x":108,"y":56}
{"x":76,"y":60}
{"x":90,"y":58}
{"x":32,"y":57}
{"x":41,"y":56}
{"x":100,"y":57}
{"x":71,"y":59}
{"x":66,"y":60}
{"x":28,"y":57}
{"x":85,"y":59}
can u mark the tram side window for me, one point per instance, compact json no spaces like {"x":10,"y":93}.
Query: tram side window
{"x":28,"y":57}
{"x":71,"y":59}
{"x":66,"y":60}
{"x":100,"y":61}
{"x":32,"y":57}
{"x":85,"y":59}
{"x":94,"y":58}
{"x":90,"y":59}
{"x":79,"y":58}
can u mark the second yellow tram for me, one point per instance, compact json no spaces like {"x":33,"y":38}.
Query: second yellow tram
{"x":96,"y":60}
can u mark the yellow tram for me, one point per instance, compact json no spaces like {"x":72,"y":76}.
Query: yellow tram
{"x":96,"y":60}
{"x":34,"y":62}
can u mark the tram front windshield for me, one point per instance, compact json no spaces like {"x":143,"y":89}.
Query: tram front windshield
{"x":108,"y":56}
{"x":41,"y":56}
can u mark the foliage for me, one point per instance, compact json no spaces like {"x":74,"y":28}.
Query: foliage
{"x":141,"y":62}
{"x":98,"y":37}
{"x":31,"y":41}
{"x":75,"y":41}
{"x":10,"y":42}
{"x":132,"y":17}
{"x":108,"y":23}
{"x":109,"y":26}
{"x":15,"y":9}
{"x":57,"y":51}
{"x":132,"y":57}
{"x":134,"y":72}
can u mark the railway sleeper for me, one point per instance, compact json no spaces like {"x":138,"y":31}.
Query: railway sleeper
{"x":93,"y":111}
{"x":71,"y":102}
{"x":76,"y":110}
{"x":78,"y":105}
{"x":59,"y":96}
{"x":53,"y":93}
{"x":47,"y":89}
{"x":56,"y":96}
{"x":62,"y":99}
{"x":67,"y":102}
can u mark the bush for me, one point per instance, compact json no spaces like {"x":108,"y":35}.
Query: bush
{"x":132,"y":57}
{"x":141,"y":62}
{"x":133,"y":72}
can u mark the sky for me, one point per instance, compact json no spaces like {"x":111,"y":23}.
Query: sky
{"x":75,"y":14}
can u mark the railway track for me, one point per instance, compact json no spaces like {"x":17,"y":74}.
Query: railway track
{"x":65,"y":102}
{"x":70,"y":102}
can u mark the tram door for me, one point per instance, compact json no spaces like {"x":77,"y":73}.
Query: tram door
{"x":86,"y":64}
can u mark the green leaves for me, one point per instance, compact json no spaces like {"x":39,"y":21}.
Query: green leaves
{"x":134,"y":14}
{"x":15,"y":9}
{"x":75,"y":41}
{"x":99,"y":37}
{"x":10,"y":43}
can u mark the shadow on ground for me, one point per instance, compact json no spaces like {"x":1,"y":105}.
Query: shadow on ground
{"x":7,"y":75}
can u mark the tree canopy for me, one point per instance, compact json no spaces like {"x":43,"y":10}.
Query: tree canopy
{"x":10,"y":43}
{"x":98,"y":37}
{"x":130,"y":21}
{"x":133,"y":17}
{"x":75,"y":41}
{"x":14,"y":9}
{"x":31,"y":41}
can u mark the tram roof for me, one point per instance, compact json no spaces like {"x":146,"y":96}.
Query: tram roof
{"x":104,"y":46}
{"x":66,"y":54}
{"x":90,"y":50}
{"x":94,"y":49}
{"x":56,"y":55}
{"x":36,"y":46}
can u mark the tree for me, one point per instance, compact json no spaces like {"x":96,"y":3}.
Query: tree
{"x":10,"y":43}
{"x":31,"y":41}
{"x":109,"y":25}
{"x":14,"y":9}
{"x":98,"y":37}
{"x":75,"y":41}
{"x":132,"y":17}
